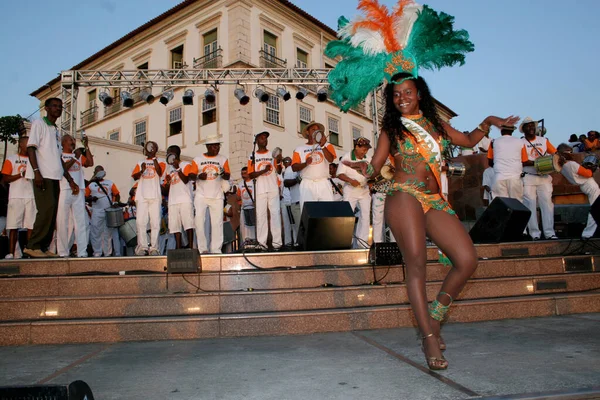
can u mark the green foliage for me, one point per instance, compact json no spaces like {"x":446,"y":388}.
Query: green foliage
{"x":10,"y":126}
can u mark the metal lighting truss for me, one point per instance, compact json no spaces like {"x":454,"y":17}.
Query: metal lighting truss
{"x":71,"y":81}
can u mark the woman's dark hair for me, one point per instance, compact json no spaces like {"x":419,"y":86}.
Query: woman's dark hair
{"x":391,"y":119}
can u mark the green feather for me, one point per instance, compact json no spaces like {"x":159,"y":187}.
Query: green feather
{"x":434,"y":43}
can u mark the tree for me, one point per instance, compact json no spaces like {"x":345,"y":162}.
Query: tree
{"x":9,"y":127}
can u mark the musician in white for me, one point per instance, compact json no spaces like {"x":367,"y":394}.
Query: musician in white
{"x":21,"y":203}
{"x":356,"y":189}
{"x":101,"y":193}
{"x":210,"y":170}
{"x":487,"y":182}
{"x":264,"y":169}
{"x":290,"y":202}
{"x":148,"y":172}
{"x":505,"y":155}
{"x":179,"y":188}
{"x":312,"y":161}
{"x":537,"y":188}
{"x":245,"y":192}
{"x":69,"y":204}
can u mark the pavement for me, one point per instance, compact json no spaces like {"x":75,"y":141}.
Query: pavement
{"x":552,"y":357}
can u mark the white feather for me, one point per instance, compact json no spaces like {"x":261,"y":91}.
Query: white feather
{"x":371,"y":41}
{"x":403,"y":25}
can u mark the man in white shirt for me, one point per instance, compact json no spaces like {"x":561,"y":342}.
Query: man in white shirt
{"x":484,"y":144}
{"x":179,"y":188}
{"x":312,"y":162}
{"x":488,"y":182}
{"x":21,"y":203}
{"x":101,"y":193}
{"x":506,"y":156}
{"x":537,"y":189}
{"x":356,"y":189}
{"x":337,"y":185}
{"x":148,"y":199}
{"x":210,"y":170}
{"x":291,"y":203}
{"x":71,"y":206}
{"x":245,"y":192}
{"x":46,"y":169}
{"x":263,"y":170}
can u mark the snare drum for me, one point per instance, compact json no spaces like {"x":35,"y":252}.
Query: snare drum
{"x":114,"y":217}
{"x":249,"y":216}
{"x":457,"y":169}
{"x":590,"y":162}
{"x":547,"y":164}
{"x":128,"y":232}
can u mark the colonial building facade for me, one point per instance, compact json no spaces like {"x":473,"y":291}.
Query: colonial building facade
{"x":202,"y":34}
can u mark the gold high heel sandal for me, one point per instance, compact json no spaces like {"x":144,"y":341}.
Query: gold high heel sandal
{"x":438,"y":312}
{"x":434,"y":363}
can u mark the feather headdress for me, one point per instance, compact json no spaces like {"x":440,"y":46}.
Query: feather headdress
{"x":375,"y":47}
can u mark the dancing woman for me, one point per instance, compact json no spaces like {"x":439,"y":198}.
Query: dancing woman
{"x":414,"y":134}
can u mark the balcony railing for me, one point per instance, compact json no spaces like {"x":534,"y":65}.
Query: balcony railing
{"x":114,"y":107}
{"x":270,"y":61}
{"x":211,"y":60}
{"x":90,"y":115}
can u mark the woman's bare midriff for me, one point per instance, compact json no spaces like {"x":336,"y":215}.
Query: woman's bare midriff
{"x":421,"y":174}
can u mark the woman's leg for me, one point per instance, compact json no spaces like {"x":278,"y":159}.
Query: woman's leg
{"x":447,"y":232}
{"x":405,"y":217}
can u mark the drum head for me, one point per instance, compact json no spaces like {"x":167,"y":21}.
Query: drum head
{"x":318,"y":135}
{"x":556,"y":162}
{"x":150,"y":147}
{"x":171,"y":158}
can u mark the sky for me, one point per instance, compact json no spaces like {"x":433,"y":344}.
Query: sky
{"x":535,"y":58}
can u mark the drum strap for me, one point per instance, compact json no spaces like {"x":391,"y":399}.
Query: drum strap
{"x":249,"y":192}
{"x":536,"y":149}
{"x":105,"y":192}
{"x":337,"y":189}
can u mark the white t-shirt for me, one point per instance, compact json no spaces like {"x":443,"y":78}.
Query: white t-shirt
{"x":149,"y":182}
{"x":532,"y":150}
{"x":267,"y":182}
{"x":571,"y":170}
{"x":484,"y":143}
{"x":294,"y":191}
{"x":46,"y":139}
{"x":351,"y":173}
{"x":211,"y":187}
{"x":506,"y":151}
{"x":245,"y":190}
{"x":179,"y":192}
{"x":103,"y":202}
{"x":21,"y":188}
{"x":487,"y":180}
{"x":319,"y":169}
{"x":76,"y":171}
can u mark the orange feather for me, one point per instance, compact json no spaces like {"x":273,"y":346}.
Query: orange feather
{"x":380,"y":19}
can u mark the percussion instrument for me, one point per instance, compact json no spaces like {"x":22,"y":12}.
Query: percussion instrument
{"x":547,"y":164}
{"x":171,"y":158}
{"x":249,"y":216}
{"x":114,"y":217}
{"x":457,"y":169}
{"x":318,"y":135}
{"x":129,"y":233}
{"x":277,"y":152}
{"x":381,"y":182}
{"x":590,"y":162}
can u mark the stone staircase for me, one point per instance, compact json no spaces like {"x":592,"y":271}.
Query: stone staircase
{"x":123,"y":299}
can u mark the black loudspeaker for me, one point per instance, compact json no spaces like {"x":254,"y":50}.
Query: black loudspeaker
{"x":77,"y":390}
{"x":326,"y":225}
{"x":504,"y":220}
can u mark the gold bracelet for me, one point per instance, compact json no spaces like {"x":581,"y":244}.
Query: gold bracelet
{"x":484,"y":130}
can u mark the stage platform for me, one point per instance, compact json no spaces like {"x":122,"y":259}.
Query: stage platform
{"x":90,"y":300}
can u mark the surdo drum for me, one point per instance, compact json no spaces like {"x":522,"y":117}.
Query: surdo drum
{"x":547,"y":164}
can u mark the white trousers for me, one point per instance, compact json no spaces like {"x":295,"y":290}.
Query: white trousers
{"x":512,"y":188}
{"x":100,"y":234}
{"x":319,"y":190}
{"x":537,"y":190}
{"x":268,"y":201}
{"x":377,"y":209}
{"x":215,"y":208}
{"x":70,"y":206}
{"x":148,"y":210}
{"x":291,"y":220}
{"x":247,"y":232}
{"x":362,"y":228}
{"x":590,"y":188}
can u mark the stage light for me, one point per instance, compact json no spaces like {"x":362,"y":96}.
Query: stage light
{"x":209,"y":95}
{"x":105,"y":99}
{"x":166,"y":97}
{"x":146,"y":95}
{"x":261,"y":94}
{"x":188,"y":97}
{"x":127,"y":99}
{"x":322,"y":95}
{"x":241,"y":96}
{"x":283,"y":93}
{"x":302,"y":93}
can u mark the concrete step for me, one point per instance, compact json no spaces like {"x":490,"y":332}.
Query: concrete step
{"x":310,"y":277}
{"x":283,"y":323}
{"x":238,"y":262}
{"x":308,"y":299}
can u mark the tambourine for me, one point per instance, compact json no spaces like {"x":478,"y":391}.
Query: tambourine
{"x":99,"y":175}
{"x":150,"y":147}
{"x":171,"y":158}
{"x":277,"y":152}
{"x":318,"y":136}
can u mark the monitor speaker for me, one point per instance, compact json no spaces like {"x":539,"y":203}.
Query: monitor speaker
{"x":504,"y":220}
{"x":77,"y":390}
{"x":326,"y":225}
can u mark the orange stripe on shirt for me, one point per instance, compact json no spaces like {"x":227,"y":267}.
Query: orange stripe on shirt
{"x":584,"y":172}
